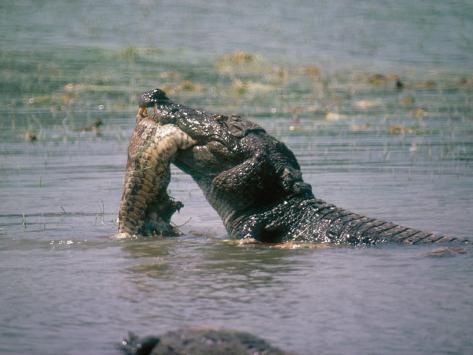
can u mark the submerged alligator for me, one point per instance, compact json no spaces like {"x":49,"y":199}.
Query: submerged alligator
{"x":251,"y":179}
{"x":199,"y":341}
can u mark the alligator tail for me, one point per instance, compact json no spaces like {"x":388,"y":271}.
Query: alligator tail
{"x":339,"y":226}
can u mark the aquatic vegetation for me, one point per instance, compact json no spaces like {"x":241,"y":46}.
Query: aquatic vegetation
{"x":80,"y":87}
{"x":240,"y":63}
{"x":466,"y":82}
{"x":239,"y":58}
{"x":30,"y":136}
{"x":426,"y":85}
{"x":88,"y":80}
{"x":312,"y":71}
{"x":360,"y":127}
{"x":418,"y":113}
{"x":400,"y":130}
{"x":188,"y":86}
{"x":244,"y":87}
{"x":407,"y":101}
{"x":368,"y":104}
{"x":170,"y":75}
{"x":129,"y":53}
{"x":94,"y":127}
{"x":335,"y":116}
{"x":382,"y":79}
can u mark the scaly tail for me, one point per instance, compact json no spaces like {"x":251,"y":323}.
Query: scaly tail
{"x":339,"y":226}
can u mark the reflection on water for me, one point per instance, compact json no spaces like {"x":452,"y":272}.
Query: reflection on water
{"x":375,"y":101}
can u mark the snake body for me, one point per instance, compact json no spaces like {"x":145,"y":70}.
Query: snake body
{"x":145,"y":207}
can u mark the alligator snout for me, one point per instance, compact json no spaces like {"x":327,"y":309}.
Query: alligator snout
{"x":152,"y":97}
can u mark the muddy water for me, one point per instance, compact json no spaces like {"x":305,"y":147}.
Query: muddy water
{"x":323,"y":80}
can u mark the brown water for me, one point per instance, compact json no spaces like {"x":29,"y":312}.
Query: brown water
{"x":402,"y":155}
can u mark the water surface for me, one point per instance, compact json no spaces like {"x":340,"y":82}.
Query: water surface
{"x":321,"y":76}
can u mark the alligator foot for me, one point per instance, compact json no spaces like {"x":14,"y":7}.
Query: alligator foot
{"x":158,"y":218}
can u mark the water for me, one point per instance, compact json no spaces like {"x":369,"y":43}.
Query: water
{"x":310,"y":78}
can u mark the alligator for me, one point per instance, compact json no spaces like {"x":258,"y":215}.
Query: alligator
{"x":199,"y":341}
{"x":250,"y":178}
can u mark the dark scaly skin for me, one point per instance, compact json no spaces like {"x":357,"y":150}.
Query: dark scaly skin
{"x":199,"y":341}
{"x":255,"y":184}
